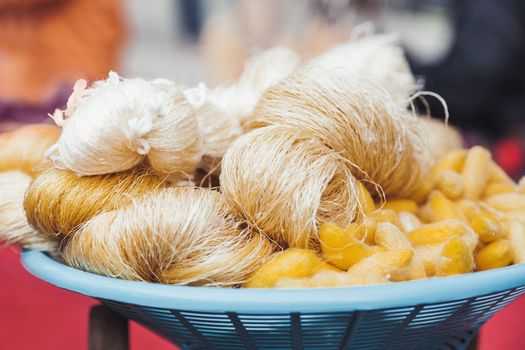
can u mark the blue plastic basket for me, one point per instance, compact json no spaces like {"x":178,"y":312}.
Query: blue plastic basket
{"x":439,"y":313}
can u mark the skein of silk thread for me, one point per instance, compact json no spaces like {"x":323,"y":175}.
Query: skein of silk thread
{"x":117,"y":124}
{"x":384,"y":143}
{"x":287,"y":185}
{"x":58,"y":201}
{"x":184,"y":236}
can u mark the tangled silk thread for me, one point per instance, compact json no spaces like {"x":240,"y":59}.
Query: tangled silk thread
{"x":14,"y":228}
{"x":24,"y":148}
{"x":287,"y":184}
{"x":21,"y":156}
{"x":117,"y":124}
{"x":441,"y":137}
{"x":222,"y":111}
{"x":357,"y":119}
{"x":182,"y":236}
{"x":58,"y":201}
{"x":372,"y":57}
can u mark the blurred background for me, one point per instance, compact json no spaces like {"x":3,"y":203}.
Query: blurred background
{"x":470,"y":51}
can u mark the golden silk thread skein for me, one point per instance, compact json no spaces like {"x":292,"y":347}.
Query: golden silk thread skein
{"x":376,"y":57}
{"x":24,"y":148}
{"x":441,"y":137}
{"x":287,"y":185}
{"x":118,"y":123}
{"x":58,"y":201}
{"x":359,"y":120}
{"x":183,"y":236}
{"x":222,"y":110}
{"x":14,"y":228}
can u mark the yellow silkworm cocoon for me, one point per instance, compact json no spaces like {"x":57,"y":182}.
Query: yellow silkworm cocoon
{"x":424,"y":213}
{"x":507,"y":201}
{"x":329,"y":279}
{"x":391,"y":264}
{"x":425,"y":187}
{"x":24,"y":148}
{"x":416,"y":270}
{"x":342,"y":249}
{"x":346,"y":279}
{"x":409,"y":221}
{"x":387,"y":215}
{"x":489,"y":210}
{"x":496,"y":254}
{"x":450,"y":183}
{"x":498,"y":175}
{"x":453,"y":160}
{"x":363,"y":231}
{"x":443,"y":208}
{"x":399,"y":205}
{"x":429,"y":255}
{"x":469,"y":208}
{"x":456,"y":258}
{"x":476,"y":172}
{"x":294,"y":283}
{"x":290,"y":263}
{"x":437,"y":232}
{"x":516,"y":236}
{"x":365,"y":199}
{"x":495,"y":188}
{"x":326,"y":279}
{"x":360,"y":278}
{"x":326,"y":266}
{"x":516,"y":215}
{"x":488,"y":228}
{"x":390,"y":237}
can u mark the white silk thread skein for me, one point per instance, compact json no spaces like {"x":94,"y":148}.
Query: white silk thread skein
{"x":221,"y":111}
{"x":119,"y":123}
{"x":377,"y":57}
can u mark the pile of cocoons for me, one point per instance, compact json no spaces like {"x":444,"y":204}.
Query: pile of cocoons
{"x":297,"y":175}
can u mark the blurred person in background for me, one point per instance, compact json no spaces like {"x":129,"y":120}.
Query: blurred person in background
{"x":46,"y":45}
{"x":482,"y":78}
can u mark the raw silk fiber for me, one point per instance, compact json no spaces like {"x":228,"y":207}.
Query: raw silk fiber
{"x":183,"y":236}
{"x":14,"y":228}
{"x":287,"y":185}
{"x":118,"y":124}
{"x":58,"y":201}
{"x":24,"y":148}
{"x":357,"y":119}
{"x":221,"y":111}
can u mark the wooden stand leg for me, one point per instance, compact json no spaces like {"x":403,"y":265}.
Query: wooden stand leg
{"x":107,"y":330}
{"x":473,"y":345}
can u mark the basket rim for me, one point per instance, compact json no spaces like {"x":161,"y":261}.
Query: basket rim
{"x":267,"y":301}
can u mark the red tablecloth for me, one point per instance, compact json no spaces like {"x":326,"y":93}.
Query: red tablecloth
{"x":36,"y":315}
